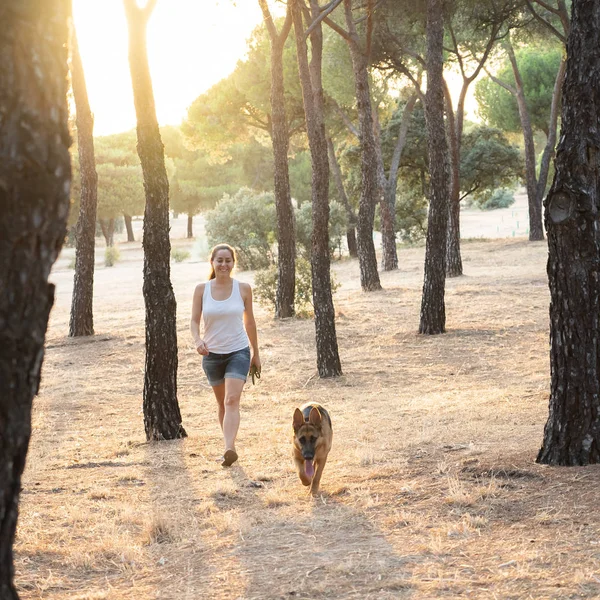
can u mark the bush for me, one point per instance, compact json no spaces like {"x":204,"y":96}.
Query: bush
{"x":411,"y":216}
{"x":265,"y":287}
{"x":338,"y":223}
{"x":247,"y":222}
{"x":179,"y":255}
{"x":111,"y":256}
{"x":501,"y":198}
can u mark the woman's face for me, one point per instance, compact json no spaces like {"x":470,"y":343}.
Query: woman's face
{"x":222,"y":262}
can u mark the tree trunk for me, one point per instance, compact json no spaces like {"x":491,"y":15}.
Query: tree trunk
{"x":433,"y":312}
{"x":108,"y":231}
{"x":453,"y":257}
{"x":339,"y":184}
{"x":190,"y":226}
{"x":286,"y":235}
{"x":162,"y":418}
{"x":370,"y":185}
{"x":572,"y":432}
{"x":536,"y":230}
{"x":128,"y":227}
{"x":551,"y":141}
{"x":35,"y":171}
{"x":328,"y":360}
{"x":82,"y":314}
{"x":389,"y":253}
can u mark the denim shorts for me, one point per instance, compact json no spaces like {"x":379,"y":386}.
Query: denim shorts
{"x":234,"y":365}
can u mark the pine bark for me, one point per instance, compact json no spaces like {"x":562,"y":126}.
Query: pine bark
{"x":370,"y":189}
{"x":190,"y":226}
{"x":572,"y":432}
{"x":536,"y":230}
{"x":129,"y":228}
{"x":35,"y":172}
{"x":339,"y":184}
{"x":280,"y":138}
{"x":328,"y":360}
{"x":107,"y":226}
{"x":82,"y":314}
{"x":433,"y":312}
{"x":162,"y":417}
{"x":454,"y":266}
{"x":387,"y":204}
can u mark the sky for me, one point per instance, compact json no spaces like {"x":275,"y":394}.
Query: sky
{"x":192,"y":44}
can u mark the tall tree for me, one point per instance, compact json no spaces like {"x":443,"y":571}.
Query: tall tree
{"x":34,"y":203}
{"x":433,"y":311}
{"x":536,"y":186}
{"x":280,"y":138}
{"x":162,"y":417}
{"x":371,"y":186}
{"x":82,"y":316}
{"x":572,"y":432}
{"x":473,"y":31}
{"x":328,"y":359}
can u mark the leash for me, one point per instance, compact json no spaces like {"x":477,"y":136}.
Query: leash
{"x":254,"y":373}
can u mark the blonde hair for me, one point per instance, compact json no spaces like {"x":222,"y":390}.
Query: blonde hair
{"x":213,"y":252}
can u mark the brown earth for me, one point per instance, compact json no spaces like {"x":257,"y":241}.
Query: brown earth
{"x":431,"y":490}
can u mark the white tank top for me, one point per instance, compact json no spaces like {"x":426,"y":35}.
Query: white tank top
{"x":224,"y":330}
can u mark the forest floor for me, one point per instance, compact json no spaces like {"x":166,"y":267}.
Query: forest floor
{"x":431,"y":489}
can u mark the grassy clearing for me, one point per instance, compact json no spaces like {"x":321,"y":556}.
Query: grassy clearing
{"x":431,"y":490}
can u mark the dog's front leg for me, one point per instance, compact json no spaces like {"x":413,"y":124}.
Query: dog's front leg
{"x":314,"y":486}
{"x":301,"y":472}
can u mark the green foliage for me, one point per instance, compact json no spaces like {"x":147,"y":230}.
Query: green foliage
{"x":411,"y":215}
{"x":247,"y":222}
{"x":111,"y":256}
{"x":238,"y":107}
{"x":300,"y":170}
{"x":500,"y":198}
{"x":488,"y":161}
{"x":338,"y":223}
{"x":179,"y":255}
{"x":265,"y":287}
{"x":538,"y":67}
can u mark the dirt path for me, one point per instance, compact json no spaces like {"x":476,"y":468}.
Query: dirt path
{"x":431,"y":490}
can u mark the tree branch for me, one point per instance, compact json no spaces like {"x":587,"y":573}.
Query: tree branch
{"x":369,"y":37}
{"x":147,"y":10}
{"x":551,"y":27}
{"x":268,"y":19}
{"x":501,"y":83}
{"x":323,"y":16}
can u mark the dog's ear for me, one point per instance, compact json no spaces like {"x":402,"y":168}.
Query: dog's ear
{"x":315,"y":416}
{"x":298,"y":419}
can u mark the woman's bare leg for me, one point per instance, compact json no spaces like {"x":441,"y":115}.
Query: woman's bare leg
{"x":231,"y":419}
{"x":219,"y":391}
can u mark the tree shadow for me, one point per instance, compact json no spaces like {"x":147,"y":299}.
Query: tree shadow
{"x":297,"y":546}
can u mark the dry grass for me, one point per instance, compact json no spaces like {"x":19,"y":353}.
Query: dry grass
{"x":431,"y":490}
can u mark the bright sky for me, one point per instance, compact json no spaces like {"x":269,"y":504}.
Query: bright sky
{"x":192,"y":44}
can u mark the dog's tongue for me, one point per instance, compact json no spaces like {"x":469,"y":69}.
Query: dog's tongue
{"x":309,"y":468}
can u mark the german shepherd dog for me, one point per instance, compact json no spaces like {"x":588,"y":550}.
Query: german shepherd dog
{"x":312,"y":442}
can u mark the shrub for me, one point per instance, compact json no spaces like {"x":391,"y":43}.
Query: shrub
{"x":179,"y":255}
{"x":265,"y":287}
{"x":111,"y":256}
{"x":247,"y":222}
{"x":501,"y":198}
{"x":411,"y":216}
{"x":338,"y":223}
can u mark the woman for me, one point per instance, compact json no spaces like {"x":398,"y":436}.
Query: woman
{"x":229,"y":332}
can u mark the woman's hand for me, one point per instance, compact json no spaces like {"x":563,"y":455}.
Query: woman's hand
{"x":201,"y":348}
{"x":255,"y":361}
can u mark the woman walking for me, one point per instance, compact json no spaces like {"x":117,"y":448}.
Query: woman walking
{"x":224,"y":304}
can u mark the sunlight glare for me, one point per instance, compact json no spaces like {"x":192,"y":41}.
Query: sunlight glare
{"x":191,"y":46}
